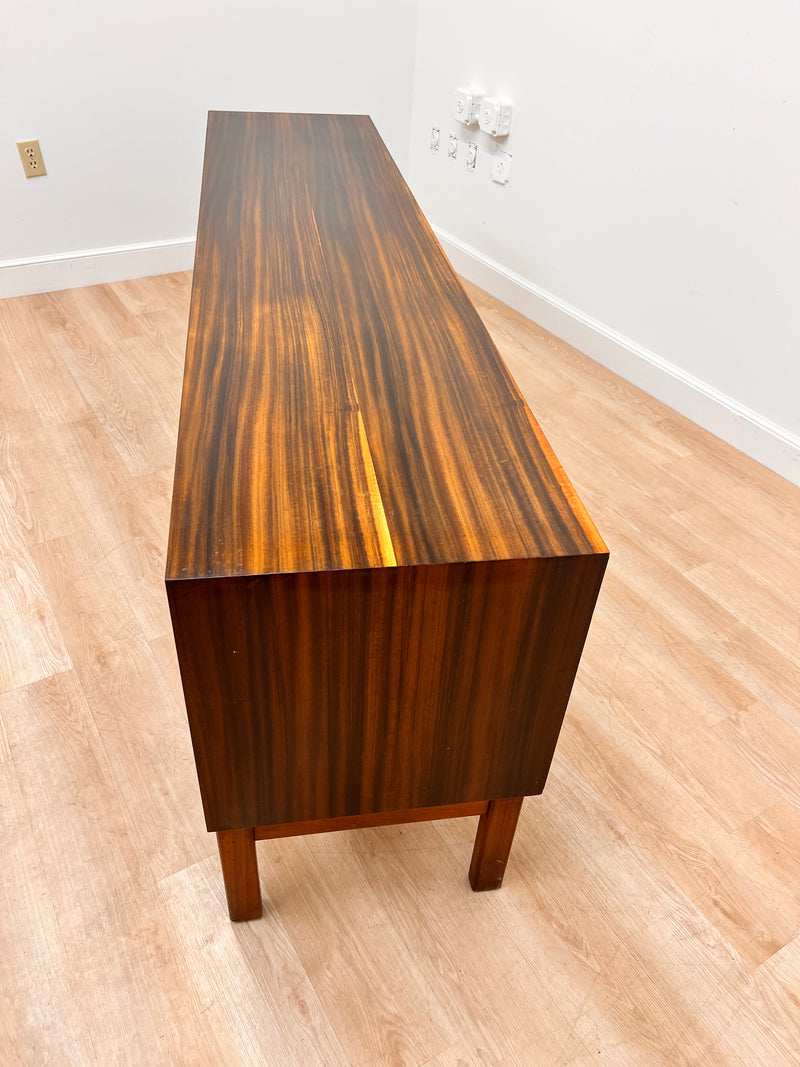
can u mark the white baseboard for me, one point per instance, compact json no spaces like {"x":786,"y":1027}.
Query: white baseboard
{"x":742,"y":427}
{"x":745,"y":429}
{"x":70,"y":270}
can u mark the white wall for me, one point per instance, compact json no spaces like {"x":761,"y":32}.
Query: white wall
{"x":652,"y":217}
{"x":117,"y":92}
{"x":653,"y":214}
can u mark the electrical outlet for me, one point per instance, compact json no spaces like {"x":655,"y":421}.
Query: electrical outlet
{"x":436,"y":135}
{"x":501,"y":167}
{"x":495,"y":116}
{"x":31,"y":155}
{"x":467,"y":105}
{"x":452,"y":146}
{"x":472,"y":155}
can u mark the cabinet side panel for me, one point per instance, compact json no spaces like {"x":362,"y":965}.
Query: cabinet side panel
{"x":321,"y":695}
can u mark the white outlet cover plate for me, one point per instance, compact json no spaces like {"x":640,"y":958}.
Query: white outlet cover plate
{"x":501,"y":167}
{"x":495,"y":116}
{"x":467,"y":105}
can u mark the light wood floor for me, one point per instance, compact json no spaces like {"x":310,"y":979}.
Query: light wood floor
{"x":651,"y":909}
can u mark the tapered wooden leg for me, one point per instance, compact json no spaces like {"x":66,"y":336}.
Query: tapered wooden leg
{"x":237,"y":853}
{"x":493,"y":844}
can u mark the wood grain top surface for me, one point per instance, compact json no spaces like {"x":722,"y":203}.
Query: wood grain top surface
{"x":343,"y":405}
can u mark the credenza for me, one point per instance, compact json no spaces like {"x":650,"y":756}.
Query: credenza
{"x":379,"y":576}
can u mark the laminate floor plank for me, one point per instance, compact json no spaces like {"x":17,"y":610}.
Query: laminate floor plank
{"x":755,"y":914}
{"x":38,"y":493}
{"x":128,"y":410}
{"x":774,"y":836}
{"x":446,"y":931}
{"x":144,"y":738}
{"x":659,"y":932}
{"x":650,"y":913}
{"x":378,"y":1002}
{"x":25,"y":608}
{"x":772,"y":614}
{"x":719,"y":636}
{"x":278,"y":1018}
{"x":48,"y":385}
{"x":126,"y":516}
{"x":74,"y":894}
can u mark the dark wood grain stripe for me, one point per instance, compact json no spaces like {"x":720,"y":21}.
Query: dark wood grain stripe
{"x":334,"y":361}
{"x":348,"y":692}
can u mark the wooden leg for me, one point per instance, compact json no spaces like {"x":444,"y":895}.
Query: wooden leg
{"x":493,"y":844}
{"x":237,"y":853}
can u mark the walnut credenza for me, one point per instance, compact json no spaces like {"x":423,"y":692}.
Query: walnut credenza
{"x":379,"y":576}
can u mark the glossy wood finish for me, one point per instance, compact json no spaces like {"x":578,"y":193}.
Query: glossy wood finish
{"x":327,"y":695}
{"x":493,"y":843}
{"x":343,"y":406}
{"x":380,"y":578}
{"x":364,"y":822}
{"x":237,"y":854}
{"x":650,"y":913}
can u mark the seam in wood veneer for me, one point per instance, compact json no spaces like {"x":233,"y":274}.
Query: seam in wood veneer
{"x":386,"y":548}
